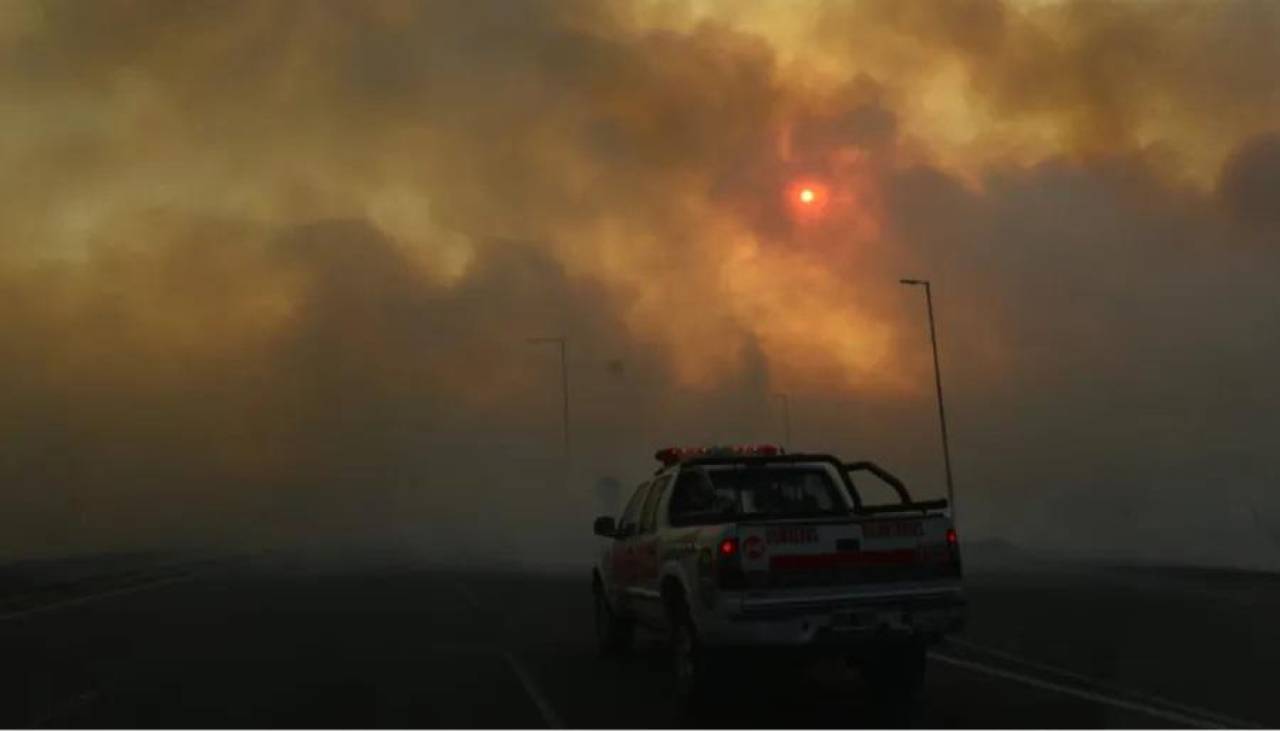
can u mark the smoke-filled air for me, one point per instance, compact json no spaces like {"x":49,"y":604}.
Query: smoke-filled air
{"x":269,"y":270}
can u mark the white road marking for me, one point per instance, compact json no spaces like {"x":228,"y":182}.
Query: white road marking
{"x":549,"y":715}
{"x":88,"y":598}
{"x":1205,"y":713}
{"x":1089,"y":695}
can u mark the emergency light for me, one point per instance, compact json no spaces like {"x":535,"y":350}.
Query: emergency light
{"x":673,"y":455}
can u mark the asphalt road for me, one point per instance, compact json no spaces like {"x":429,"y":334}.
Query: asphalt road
{"x":395,"y":643}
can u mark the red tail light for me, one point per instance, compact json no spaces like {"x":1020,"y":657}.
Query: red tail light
{"x":953,"y":547}
{"x":729,"y":565}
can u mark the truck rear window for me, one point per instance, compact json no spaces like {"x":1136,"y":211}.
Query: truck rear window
{"x":724,"y":494}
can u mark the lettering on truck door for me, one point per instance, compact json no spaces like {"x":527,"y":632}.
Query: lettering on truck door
{"x":648,"y":603}
{"x":624,"y":548}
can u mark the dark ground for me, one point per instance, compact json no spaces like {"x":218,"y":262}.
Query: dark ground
{"x":287,"y":641}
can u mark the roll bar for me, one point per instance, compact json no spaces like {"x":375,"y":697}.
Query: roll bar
{"x":842,"y":468}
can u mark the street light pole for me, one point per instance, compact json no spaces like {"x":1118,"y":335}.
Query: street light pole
{"x":937,"y":379}
{"x":786,"y":418}
{"x":563,"y":342}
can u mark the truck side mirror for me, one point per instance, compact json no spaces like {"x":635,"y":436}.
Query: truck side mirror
{"x":604,"y":526}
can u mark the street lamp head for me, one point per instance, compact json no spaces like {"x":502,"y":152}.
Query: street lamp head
{"x":912,"y":281}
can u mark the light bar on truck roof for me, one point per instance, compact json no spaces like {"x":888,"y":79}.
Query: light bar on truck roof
{"x":674,"y":455}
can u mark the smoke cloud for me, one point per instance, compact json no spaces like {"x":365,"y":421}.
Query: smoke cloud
{"x":269,"y":270}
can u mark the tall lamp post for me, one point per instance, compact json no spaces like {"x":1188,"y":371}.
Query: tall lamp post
{"x":786,"y":418}
{"x":563,"y":342}
{"x":937,"y":379}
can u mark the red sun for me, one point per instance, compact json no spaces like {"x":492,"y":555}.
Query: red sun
{"x":807,"y":199}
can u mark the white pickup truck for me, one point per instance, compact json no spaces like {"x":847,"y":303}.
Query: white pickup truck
{"x":751,"y":548}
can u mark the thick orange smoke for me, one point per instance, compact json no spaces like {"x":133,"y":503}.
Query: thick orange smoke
{"x":269,"y":269}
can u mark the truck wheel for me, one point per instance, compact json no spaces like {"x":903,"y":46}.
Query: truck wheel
{"x":613,"y":634}
{"x":690,"y":662}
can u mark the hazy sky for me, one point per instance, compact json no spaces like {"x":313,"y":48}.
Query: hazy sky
{"x":268,"y":268}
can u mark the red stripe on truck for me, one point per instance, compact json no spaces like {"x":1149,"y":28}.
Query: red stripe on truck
{"x":841,"y":560}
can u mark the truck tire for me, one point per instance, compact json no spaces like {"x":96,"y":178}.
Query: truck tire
{"x":684,"y":659}
{"x":691,"y":663}
{"x":613,"y":633}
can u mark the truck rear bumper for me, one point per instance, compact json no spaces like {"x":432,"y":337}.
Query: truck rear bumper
{"x":837,"y":621}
